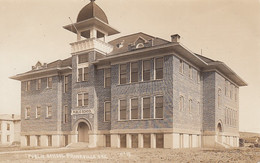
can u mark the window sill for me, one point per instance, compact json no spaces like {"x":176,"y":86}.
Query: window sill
{"x":155,"y":80}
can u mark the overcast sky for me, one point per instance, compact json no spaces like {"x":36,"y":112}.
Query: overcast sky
{"x":225,"y":30}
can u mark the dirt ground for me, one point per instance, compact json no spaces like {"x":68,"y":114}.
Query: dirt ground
{"x":129,"y":155}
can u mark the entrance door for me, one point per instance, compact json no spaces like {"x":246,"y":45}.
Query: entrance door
{"x":219,"y":130}
{"x":83,"y":132}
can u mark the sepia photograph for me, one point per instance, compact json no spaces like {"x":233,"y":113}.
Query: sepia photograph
{"x":130,"y":81}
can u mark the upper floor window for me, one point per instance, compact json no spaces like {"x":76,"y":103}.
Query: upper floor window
{"x":159,"y":107}
{"x":48,"y":111}
{"x":146,"y":70}
{"x":66,"y":83}
{"x":219,"y":98}
{"x":83,"y":99}
{"x":83,"y":58}
{"x":66,"y":115}
{"x":159,"y":68}
{"x":181,"y":103}
{"x":198,"y":76}
{"x":181,"y":67}
{"x":107,"y":76}
{"x":122,"y":73}
{"x":107,"y":111}
{"x":190,"y":72}
{"x":190,"y":105}
{"x":27,"y":85}
{"x":83,"y":74}
{"x":134,"y":108}
{"x":38,"y":84}
{"x":122,"y":109}
{"x":231,"y":91}
{"x":27,"y":112}
{"x":134,"y":72}
{"x":38,"y":112}
{"x":8,"y":127}
{"x":49,"y":82}
{"x":146,"y":108}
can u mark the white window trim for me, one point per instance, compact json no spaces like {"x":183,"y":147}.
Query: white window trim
{"x":105,"y":111}
{"x":154,"y":107}
{"x":143,"y":69}
{"x":47,"y":111}
{"x":64,"y":91}
{"x":154,"y":68}
{"x":48,"y":82}
{"x":105,"y":69}
{"x":142,"y":106}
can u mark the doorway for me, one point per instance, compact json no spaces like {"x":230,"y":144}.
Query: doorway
{"x":83,"y":132}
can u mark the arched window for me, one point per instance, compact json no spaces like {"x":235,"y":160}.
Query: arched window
{"x":190,"y":105}
{"x":181,"y":103}
{"x":140,"y":45}
{"x":219,"y":98}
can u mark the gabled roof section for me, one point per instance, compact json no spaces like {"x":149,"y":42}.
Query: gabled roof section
{"x":53,"y":67}
{"x":128,"y":43}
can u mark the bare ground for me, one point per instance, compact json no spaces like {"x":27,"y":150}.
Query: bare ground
{"x":129,"y":155}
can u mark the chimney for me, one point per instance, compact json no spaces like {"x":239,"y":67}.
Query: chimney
{"x":175,"y":38}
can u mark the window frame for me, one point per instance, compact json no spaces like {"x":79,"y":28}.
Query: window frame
{"x":27,"y":86}
{"x":27,"y":112}
{"x":121,"y":74}
{"x":82,"y":100}
{"x":86,"y":59}
{"x":38,"y":84}
{"x":143,"y":70}
{"x":135,"y":72}
{"x":66,"y":83}
{"x":107,"y":77}
{"x":158,"y":69}
{"x":38,"y":110}
{"x":66,"y":114}
{"x":48,"y":111}
{"x":155,"y":107}
{"x":105,"y":111}
{"x":181,"y":103}
{"x":181,"y":66}
{"x":120,"y":110}
{"x":49,"y":82}
{"x":146,"y":108}
{"x":131,"y":109}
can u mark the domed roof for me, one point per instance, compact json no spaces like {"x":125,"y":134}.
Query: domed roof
{"x":92,"y":10}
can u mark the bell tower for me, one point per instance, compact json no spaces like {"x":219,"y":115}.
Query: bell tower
{"x":92,"y":29}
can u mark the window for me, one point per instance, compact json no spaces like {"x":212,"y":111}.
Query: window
{"x":159,"y":107}
{"x":134,"y":72}
{"x":219,"y":98}
{"x":83,"y":58}
{"x":8,"y":127}
{"x":181,"y":68}
{"x":48,"y":111}
{"x":49,"y":140}
{"x":38,"y":140}
{"x":28,"y":86}
{"x":134,"y":140}
{"x":107,"y":79}
{"x":159,"y":68}
{"x":66,"y":115}
{"x":198,"y":77}
{"x":49,"y":82}
{"x":38,"y":112}
{"x":27,"y":140}
{"x":231,"y":91}
{"x":66,"y":83}
{"x":123,"y":74}
{"x":123,"y":141}
{"x":83,"y":74}
{"x":8,"y":138}
{"x":146,"y":108}
{"x":147,"y":140}
{"x":146,"y":70}
{"x":190,"y":72}
{"x":107,"y":111}
{"x":108,"y":140}
{"x":159,"y":140}
{"x":190,"y":105}
{"x":122,"y":110}
{"x":38,"y":84}
{"x":134,"y":108}
{"x":181,"y":103}
{"x":83,"y":99}
{"x":27,"y":112}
